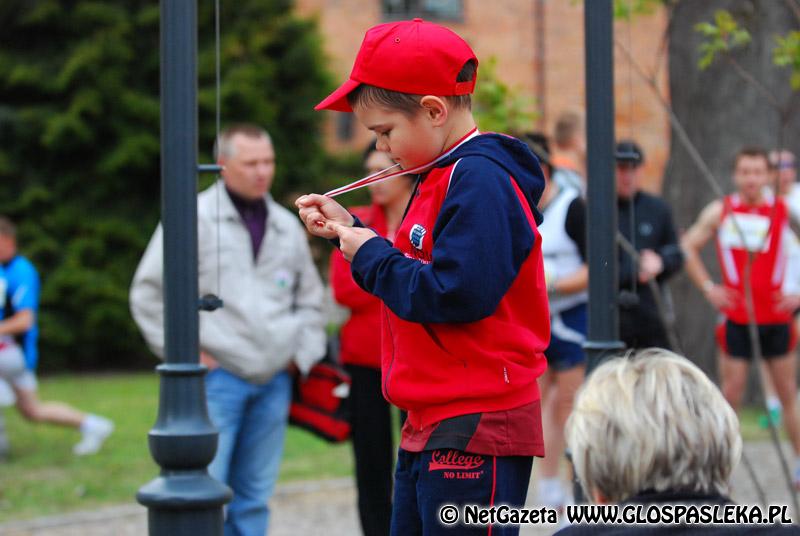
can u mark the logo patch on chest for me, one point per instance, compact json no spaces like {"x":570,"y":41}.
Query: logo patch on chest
{"x":417,"y":235}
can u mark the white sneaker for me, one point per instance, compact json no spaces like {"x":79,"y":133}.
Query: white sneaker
{"x":94,"y":431}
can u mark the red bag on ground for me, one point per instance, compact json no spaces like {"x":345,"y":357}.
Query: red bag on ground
{"x":319,"y":402}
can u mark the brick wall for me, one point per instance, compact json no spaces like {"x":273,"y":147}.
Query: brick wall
{"x":550,"y":67}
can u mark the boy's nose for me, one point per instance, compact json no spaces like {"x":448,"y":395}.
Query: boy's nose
{"x":382,"y":146}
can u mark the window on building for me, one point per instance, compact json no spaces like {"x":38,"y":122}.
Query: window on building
{"x":452,"y":10}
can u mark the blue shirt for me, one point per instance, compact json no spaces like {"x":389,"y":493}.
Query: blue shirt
{"x":22,"y":287}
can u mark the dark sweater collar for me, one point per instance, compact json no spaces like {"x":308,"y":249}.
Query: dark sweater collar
{"x":241,"y":203}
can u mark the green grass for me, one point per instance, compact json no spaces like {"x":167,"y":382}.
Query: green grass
{"x":43,"y":477}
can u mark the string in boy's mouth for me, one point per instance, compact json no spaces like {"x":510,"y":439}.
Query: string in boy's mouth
{"x":373,"y":178}
{"x":384,"y":174}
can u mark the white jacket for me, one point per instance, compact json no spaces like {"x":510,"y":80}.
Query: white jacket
{"x":272,"y":310}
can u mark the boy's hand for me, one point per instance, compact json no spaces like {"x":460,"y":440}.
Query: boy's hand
{"x":317,"y":211}
{"x":350,"y":238}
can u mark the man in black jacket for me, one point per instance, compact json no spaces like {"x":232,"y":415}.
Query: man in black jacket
{"x":645,"y":221}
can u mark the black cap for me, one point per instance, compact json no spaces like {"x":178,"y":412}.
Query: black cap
{"x":629,"y":151}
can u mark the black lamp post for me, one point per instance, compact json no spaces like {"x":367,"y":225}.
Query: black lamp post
{"x":603,"y":328}
{"x":602,"y":340}
{"x":184,"y":500}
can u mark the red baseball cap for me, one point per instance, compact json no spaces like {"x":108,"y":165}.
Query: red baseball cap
{"x":410,"y":56}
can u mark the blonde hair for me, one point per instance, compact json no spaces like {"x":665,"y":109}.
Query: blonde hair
{"x":652,"y":422}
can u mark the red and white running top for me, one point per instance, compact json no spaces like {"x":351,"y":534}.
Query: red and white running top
{"x":762,"y":230}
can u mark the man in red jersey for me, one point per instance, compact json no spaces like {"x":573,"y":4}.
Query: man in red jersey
{"x":750,"y":226}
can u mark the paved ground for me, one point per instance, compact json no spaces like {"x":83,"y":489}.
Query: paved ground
{"x":327,"y":508}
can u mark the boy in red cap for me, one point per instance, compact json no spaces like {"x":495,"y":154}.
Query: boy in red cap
{"x":465,"y":320}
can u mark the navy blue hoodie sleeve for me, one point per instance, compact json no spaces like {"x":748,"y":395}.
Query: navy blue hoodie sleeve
{"x":481,"y":239}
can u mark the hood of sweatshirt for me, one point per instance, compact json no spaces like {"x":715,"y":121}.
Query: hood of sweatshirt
{"x":512,"y":155}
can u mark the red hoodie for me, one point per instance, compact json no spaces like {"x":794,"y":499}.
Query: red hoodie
{"x":360,"y":336}
{"x":436,"y":371}
{"x":466,"y":317}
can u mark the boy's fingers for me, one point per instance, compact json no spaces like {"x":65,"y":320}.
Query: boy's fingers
{"x":314,"y":199}
{"x":311,"y":215}
{"x":308,"y":200}
{"x":338,"y":228}
{"x":307,"y":213}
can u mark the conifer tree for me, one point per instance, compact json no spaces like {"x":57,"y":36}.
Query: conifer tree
{"x":79,"y":158}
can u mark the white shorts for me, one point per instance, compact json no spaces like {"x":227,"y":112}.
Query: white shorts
{"x":12,"y":366}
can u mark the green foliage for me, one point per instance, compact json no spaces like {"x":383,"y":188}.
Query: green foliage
{"x":626,"y":9}
{"x":79,"y":163}
{"x":787,"y":54}
{"x":723,"y":36}
{"x":498,"y":107}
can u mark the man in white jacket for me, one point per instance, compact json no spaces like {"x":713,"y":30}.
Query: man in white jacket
{"x":254,"y":254}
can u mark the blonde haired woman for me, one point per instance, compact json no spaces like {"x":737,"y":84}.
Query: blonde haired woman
{"x":653,"y":429}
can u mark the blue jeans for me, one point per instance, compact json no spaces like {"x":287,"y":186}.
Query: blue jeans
{"x":251,"y":420}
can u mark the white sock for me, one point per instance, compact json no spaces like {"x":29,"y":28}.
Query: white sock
{"x":773,"y":403}
{"x":91,"y":422}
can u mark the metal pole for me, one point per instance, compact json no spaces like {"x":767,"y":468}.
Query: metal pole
{"x":184,"y":500}
{"x":602,"y":339}
{"x":603,"y":328}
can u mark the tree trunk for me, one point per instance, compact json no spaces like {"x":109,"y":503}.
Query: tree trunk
{"x":721,"y":113}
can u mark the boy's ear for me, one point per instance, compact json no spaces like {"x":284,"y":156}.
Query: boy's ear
{"x":435,"y":109}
